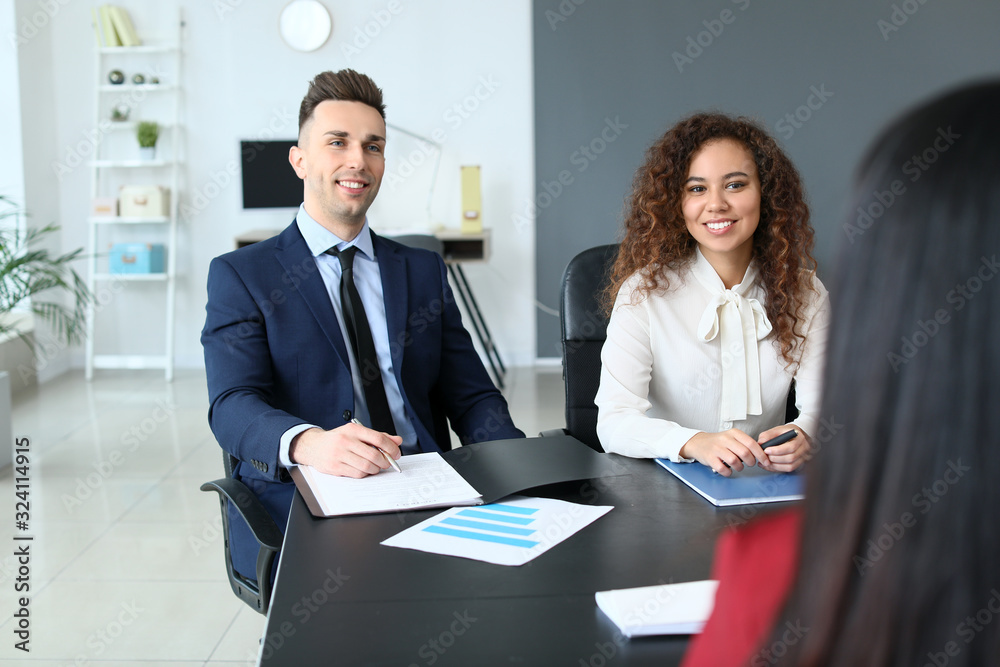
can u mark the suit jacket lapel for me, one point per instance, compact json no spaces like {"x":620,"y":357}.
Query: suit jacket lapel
{"x":301,"y":272}
{"x":392,"y":269}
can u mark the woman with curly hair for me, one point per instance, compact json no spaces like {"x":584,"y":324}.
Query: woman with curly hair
{"x":715,"y":305}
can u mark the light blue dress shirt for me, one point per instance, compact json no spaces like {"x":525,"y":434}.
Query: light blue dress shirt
{"x":368,"y":280}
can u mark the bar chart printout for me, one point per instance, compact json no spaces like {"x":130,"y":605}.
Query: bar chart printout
{"x":511,"y":532}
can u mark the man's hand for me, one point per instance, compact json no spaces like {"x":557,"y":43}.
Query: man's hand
{"x":727,"y":451}
{"x":791,"y":455}
{"x":350,"y":450}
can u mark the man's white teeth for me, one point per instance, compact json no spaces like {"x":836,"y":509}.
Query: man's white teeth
{"x":352,"y":184}
{"x":719,"y":225}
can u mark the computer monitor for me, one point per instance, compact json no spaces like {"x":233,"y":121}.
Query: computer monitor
{"x":268,"y":179}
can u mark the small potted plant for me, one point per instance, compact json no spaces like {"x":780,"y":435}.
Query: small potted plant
{"x":147,"y":133}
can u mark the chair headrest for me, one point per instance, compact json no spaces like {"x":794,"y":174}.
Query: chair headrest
{"x":584,"y":279}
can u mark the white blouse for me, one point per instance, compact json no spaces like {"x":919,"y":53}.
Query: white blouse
{"x":699,"y":357}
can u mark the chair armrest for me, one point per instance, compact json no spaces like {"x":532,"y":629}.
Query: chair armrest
{"x":264,"y":530}
{"x":553,"y":432}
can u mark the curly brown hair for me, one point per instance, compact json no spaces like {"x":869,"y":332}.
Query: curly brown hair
{"x":656,"y":236}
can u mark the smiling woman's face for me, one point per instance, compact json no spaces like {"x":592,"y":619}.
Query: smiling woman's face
{"x":721,"y":200}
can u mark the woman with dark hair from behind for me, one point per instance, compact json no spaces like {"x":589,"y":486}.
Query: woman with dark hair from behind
{"x":900,"y":552}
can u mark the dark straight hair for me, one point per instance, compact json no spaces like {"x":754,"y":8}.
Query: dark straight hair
{"x":900,"y":557}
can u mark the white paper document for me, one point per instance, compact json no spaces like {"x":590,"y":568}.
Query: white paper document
{"x":668,"y":609}
{"x":511,"y":532}
{"x":426,"y":481}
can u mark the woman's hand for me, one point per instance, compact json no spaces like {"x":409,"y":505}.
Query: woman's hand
{"x":791,"y":455}
{"x":729,"y":450}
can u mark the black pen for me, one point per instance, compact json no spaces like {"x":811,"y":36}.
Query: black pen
{"x":777,"y":440}
{"x":780,"y":439}
{"x":392,"y":462}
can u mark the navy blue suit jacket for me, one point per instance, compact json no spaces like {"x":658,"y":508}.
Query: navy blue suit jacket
{"x":275,"y":358}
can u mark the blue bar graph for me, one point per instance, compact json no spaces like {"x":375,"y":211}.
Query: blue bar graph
{"x":490,"y":523}
{"x":479,"y":525}
{"x":492,"y":516}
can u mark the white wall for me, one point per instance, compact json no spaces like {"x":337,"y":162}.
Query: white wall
{"x":28,"y":148}
{"x":243,"y":82}
{"x":11,"y":164}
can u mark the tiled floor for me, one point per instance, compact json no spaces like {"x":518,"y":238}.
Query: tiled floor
{"x":126,"y":562}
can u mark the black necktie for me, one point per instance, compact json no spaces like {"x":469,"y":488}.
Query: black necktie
{"x":362,"y":343}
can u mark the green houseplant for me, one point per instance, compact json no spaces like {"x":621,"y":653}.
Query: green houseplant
{"x":147,"y":132}
{"x":27,"y":272}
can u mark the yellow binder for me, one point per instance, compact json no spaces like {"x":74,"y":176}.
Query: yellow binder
{"x":472,"y":202}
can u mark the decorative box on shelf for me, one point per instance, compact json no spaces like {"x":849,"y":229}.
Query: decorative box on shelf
{"x":143,"y":201}
{"x":104,"y":207}
{"x":136,"y":258}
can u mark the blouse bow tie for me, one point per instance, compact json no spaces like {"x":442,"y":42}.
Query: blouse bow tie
{"x":740,"y":322}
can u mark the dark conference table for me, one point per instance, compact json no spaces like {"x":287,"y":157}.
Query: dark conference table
{"x":341,"y":598}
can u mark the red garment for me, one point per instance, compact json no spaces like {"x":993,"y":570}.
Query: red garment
{"x":755,"y":566}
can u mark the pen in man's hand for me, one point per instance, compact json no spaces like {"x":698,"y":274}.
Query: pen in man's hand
{"x":780,"y":439}
{"x":392,"y":462}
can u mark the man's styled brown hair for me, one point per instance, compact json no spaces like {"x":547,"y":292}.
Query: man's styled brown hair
{"x":345,"y":85}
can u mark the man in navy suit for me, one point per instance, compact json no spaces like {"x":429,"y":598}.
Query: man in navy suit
{"x":283,"y":377}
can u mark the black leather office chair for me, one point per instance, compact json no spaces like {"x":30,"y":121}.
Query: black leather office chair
{"x":257,"y":594}
{"x":584,"y":328}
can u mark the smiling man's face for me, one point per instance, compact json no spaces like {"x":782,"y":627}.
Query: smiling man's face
{"x":340,"y":156}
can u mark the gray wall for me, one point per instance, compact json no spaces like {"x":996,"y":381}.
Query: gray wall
{"x":604,"y":63}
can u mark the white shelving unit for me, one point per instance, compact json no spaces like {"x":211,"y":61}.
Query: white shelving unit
{"x":116,"y":163}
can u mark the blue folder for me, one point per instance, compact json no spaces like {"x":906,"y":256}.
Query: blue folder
{"x":749,"y":486}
